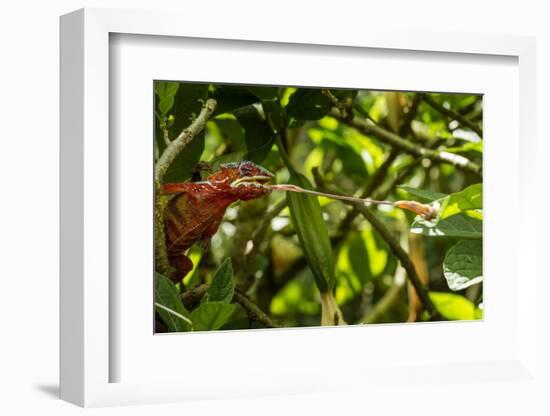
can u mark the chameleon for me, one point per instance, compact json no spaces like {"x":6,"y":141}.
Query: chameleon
{"x":195,"y":210}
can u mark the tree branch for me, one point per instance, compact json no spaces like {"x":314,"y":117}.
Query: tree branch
{"x":400,"y":253}
{"x":184,"y":138}
{"x":452,"y":114}
{"x":394,"y":140}
{"x":172,"y":150}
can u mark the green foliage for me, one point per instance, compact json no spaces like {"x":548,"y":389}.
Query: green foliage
{"x":211,"y":315}
{"x":258,"y":136}
{"x":466,"y":201}
{"x":423,"y":194}
{"x":185,"y":102}
{"x":230,"y":97}
{"x":455,"y":307}
{"x":167,"y":295}
{"x":460,"y":217}
{"x":457,"y":226}
{"x":308,"y":104}
{"x":221,"y":289}
{"x":463,"y":264}
{"x":264,"y":93}
{"x":166,"y":92}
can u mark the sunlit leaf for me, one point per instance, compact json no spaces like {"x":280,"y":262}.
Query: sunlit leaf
{"x":454,"y":307}
{"x":470,"y":198}
{"x":460,"y":225}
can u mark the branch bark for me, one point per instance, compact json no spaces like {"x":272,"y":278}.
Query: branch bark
{"x":397,"y":141}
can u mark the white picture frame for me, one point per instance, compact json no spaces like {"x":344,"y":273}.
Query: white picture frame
{"x":86,"y":352}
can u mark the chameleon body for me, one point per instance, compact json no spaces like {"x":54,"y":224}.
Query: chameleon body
{"x":196,"y":209}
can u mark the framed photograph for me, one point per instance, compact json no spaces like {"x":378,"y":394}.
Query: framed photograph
{"x":280,"y":213}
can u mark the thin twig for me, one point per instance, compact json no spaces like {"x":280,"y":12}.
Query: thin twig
{"x":253,"y":311}
{"x":400,"y":253}
{"x":407,"y":146}
{"x":165,"y":133}
{"x":345,"y":107}
{"x":192,"y":297}
{"x":452,"y":114}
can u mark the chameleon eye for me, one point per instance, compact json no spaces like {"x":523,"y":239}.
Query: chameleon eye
{"x":245,"y":169}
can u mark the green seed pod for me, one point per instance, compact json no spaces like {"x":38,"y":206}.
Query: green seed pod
{"x":307,"y":218}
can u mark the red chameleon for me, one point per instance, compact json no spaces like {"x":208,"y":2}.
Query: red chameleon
{"x":196,"y":210}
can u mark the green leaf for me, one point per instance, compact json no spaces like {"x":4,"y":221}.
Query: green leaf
{"x":461,"y":226}
{"x":275,"y":115}
{"x":308,"y":104}
{"x":462,"y":266}
{"x":454,"y":307}
{"x":265,"y":92}
{"x":167,"y":295}
{"x":187,"y":105}
{"x":166,"y":92}
{"x":469,"y":199}
{"x":231,"y":97}
{"x":307,"y":218}
{"x":222,"y":287}
{"x":423,"y":194}
{"x":210,"y":316}
{"x":257,"y":134}
{"x":166,"y":104}
{"x":166,"y":88}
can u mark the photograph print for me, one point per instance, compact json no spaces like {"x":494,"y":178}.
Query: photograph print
{"x":290,"y":206}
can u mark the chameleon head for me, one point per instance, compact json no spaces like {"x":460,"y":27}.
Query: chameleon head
{"x":246,"y":179}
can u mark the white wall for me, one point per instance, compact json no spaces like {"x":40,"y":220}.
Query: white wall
{"x":29,"y":182}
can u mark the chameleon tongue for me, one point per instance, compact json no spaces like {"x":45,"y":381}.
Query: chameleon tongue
{"x":426,"y":211}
